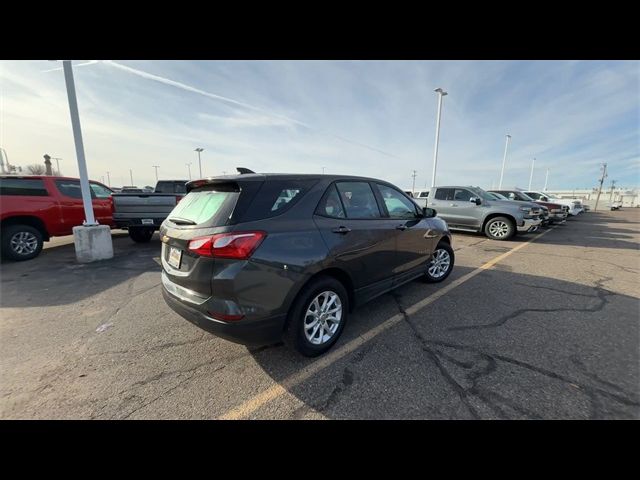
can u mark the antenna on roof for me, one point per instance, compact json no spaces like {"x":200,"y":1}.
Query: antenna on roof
{"x":243,"y":171}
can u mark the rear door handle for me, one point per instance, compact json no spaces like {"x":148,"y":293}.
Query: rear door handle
{"x":401,"y":227}
{"x":341,"y":229}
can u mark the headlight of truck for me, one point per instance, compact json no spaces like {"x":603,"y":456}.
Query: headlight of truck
{"x":525,"y":209}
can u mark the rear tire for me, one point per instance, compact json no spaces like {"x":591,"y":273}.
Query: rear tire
{"x":21,"y":242}
{"x":140,"y":234}
{"x":441,"y":264}
{"x":313,"y":334}
{"x":500,"y":228}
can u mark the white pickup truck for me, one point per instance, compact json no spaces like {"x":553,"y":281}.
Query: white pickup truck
{"x":419,"y":196}
{"x":575,"y":205}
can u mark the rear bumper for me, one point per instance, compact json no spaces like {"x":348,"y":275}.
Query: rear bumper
{"x":137,"y":222}
{"x":256,"y":332}
{"x":529,"y":225}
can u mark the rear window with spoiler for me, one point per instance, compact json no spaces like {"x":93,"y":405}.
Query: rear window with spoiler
{"x":230,"y":202}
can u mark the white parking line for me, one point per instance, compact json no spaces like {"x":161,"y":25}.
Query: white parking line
{"x":246,"y":408}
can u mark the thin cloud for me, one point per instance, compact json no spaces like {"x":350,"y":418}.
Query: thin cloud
{"x":57,"y":69}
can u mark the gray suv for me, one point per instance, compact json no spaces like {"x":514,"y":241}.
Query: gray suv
{"x":472,"y":209}
{"x":256,"y":257}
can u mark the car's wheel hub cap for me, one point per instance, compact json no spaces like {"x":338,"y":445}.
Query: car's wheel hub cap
{"x":499,"y":229}
{"x":322,"y":317}
{"x":440,"y":263}
{"x":24,"y":243}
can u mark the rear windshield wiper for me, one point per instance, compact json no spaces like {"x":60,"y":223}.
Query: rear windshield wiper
{"x":182,"y":221}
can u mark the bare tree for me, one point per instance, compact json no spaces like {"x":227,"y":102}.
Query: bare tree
{"x":37,"y":169}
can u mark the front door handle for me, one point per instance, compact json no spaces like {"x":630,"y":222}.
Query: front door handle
{"x":341,"y":229}
{"x":453,"y":204}
{"x":401,"y":227}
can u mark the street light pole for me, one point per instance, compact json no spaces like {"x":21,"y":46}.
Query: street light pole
{"x":189,"y":167}
{"x":441,"y":93}
{"x":531,"y":175}
{"x":199,"y":149}
{"x":156,"y":167}
{"x":58,"y":165}
{"x":131,"y":176}
{"x":504,"y":160}
{"x":108,"y":179}
{"x":604,"y":175}
{"x":85,"y":189}
{"x":546,"y":180}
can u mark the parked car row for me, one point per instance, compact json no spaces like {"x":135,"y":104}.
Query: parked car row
{"x":499,"y":214}
{"x":35,"y":208}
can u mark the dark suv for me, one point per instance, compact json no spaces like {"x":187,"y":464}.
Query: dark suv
{"x":255,"y":257}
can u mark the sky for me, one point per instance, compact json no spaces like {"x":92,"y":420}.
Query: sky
{"x":373,"y":118}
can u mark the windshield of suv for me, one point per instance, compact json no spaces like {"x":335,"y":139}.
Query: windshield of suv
{"x":498,"y":196}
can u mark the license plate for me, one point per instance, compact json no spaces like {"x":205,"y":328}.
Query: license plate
{"x":175,"y":257}
{"x":147,"y":221}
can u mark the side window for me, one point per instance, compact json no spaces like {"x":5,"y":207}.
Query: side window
{"x":462,"y":195}
{"x":535,"y":196}
{"x":23,"y":187}
{"x":99,"y":191}
{"x":330,"y":205}
{"x":444,"y":194}
{"x":358,"y":200}
{"x":397,"y":204}
{"x":424,"y":194}
{"x":69,"y":188}
{"x":284,"y":197}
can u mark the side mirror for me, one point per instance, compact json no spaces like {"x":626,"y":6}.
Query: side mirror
{"x":475,"y":200}
{"x":428,"y":212}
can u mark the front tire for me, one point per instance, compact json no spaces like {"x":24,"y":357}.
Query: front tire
{"x":441,"y":264}
{"x":500,"y":228}
{"x":317,"y":317}
{"x":21,"y":242}
{"x":140,"y":235}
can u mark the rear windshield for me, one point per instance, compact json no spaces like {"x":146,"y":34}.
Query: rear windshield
{"x":204,"y":206}
{"x":171,"y":187}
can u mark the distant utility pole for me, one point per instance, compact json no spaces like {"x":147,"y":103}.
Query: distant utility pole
{"x":58,"y":165}
{"x":546,"y":179}
{"x":413,"y":189}
{"x":441,"y":93}
{"x":156,"y":167}
{"x":189,"y":167}
{"x":504,"y":160}
{"x":323,"y":170}
{"x":131,"y":176}
{"x":604,"y":175}
{"x":108,"y":179}
{"x":613,"y":184}
{"x":199,"y":150}
{"x":531,"y":176}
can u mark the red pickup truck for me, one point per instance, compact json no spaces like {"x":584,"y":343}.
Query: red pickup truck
{"x":35,"y":208}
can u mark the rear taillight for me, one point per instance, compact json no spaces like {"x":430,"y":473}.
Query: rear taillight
{"x":238,"y":245}
{"x":178,"y":198}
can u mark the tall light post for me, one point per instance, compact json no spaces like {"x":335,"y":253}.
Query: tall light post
{"x":2,"y":167}
{"x":189,"y":167}
{"x":156,"y":167}
{"x":199,"y":150}
{"x":441,"y":93}
{"x":504,"y":160}
{"x":108,"y":179}
{"x":546,"y":180}
{"x":131,"y":176}
{"x":531,"y":175}
{"x":323,"y":170}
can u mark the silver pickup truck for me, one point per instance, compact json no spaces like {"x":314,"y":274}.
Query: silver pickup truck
{"x":472,"y":209}
{"x":143,"y":213}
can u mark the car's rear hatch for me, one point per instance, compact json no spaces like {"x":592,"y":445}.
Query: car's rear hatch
{"x":211,"y":207}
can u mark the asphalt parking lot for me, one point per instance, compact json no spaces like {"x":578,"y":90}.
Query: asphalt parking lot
{"x":546,"y":326}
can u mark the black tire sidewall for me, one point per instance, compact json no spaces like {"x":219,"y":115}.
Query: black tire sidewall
{"x":452,"y":256}
{"x":512,"y":228}
{"x":294,"y":334}
{"x":10,"y":231}
{"x":140,"y":234}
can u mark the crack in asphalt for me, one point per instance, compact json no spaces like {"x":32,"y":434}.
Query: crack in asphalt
{"x":601,"y":295}
{"x":488,"y":363}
